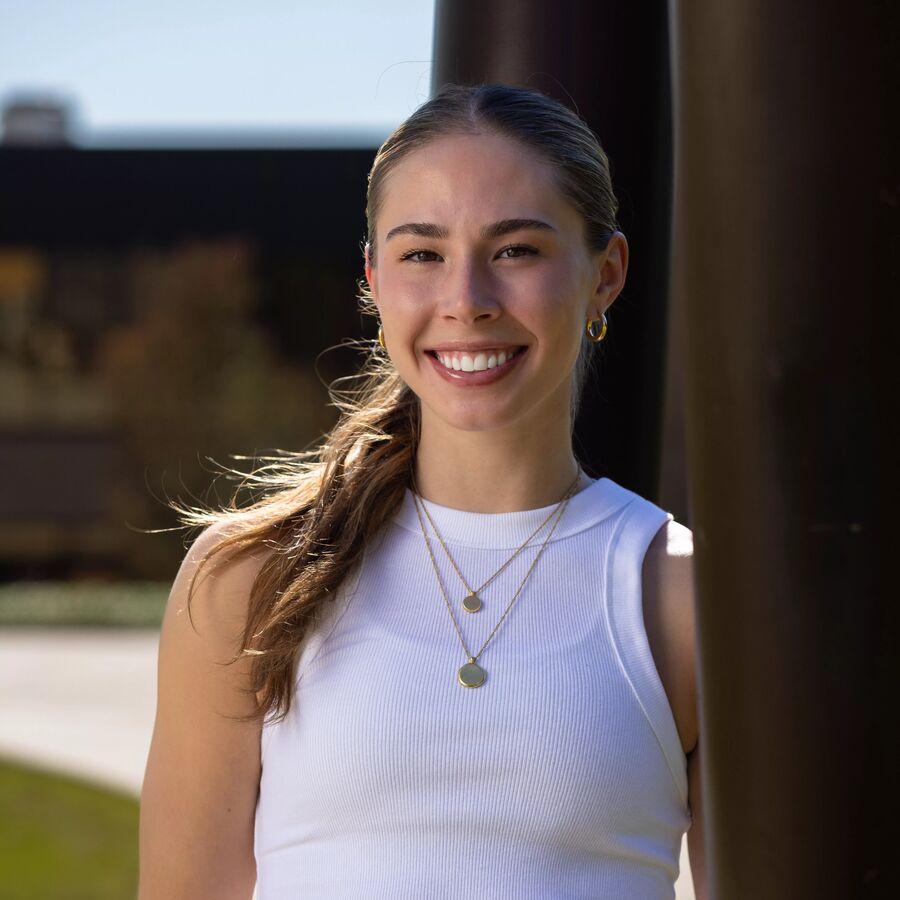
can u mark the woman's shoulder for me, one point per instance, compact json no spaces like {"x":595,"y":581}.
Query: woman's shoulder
{"x":677,"y":540}
{"x":673,"y":537}
{"x":668,"y":571}
{"x":669,"y":615}
{"x":213,"y":585}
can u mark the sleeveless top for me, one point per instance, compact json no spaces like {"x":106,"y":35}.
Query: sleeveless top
{"x":561,"y":777}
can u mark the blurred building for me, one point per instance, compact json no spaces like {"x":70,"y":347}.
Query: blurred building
{"x":155,"y":307}
{"x":36,"y":121}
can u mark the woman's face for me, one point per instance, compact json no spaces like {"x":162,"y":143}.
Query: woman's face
{"x":479,"y":253}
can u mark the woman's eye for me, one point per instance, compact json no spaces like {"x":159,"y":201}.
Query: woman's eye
{"x":517,"y":250}
{"x":413,"y":253}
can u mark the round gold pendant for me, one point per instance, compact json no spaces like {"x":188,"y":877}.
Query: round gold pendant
{"x":471,"y":674}
{"x":472,"y":603}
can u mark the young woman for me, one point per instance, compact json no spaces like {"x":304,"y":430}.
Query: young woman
{"x":437,"y":659}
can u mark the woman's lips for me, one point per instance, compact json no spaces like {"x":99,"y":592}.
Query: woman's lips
{"x":486,"y":376}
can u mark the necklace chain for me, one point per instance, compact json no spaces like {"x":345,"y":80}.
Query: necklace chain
{"x":521,"y":548}
{"x":560,"y":509}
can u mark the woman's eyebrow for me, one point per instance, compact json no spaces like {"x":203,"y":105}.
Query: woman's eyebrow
{"x":489,"y":232}
{"x":507,"y":226}
{"x":421,"y":229}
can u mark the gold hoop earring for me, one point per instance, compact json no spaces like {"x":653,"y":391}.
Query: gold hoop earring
{"x":381,"y":337}
{"x":590,"y":326}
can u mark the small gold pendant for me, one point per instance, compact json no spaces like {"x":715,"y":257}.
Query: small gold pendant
{"x":472,"y":603}
{"x":471,"y":674}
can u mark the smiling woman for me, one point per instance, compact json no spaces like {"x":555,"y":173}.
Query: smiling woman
{"x":492,"y":714}
{"x":450,"y":277}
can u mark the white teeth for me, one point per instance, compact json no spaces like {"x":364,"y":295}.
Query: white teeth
{"x":465,"y":363}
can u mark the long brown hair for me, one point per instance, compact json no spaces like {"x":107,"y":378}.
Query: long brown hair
{"x":319,"y":508}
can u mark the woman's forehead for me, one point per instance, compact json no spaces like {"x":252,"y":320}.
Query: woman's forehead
{"x":482,"y":177}
{"x":471,"y":155}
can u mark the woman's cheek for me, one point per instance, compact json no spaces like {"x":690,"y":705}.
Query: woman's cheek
{"x":407,"y":291}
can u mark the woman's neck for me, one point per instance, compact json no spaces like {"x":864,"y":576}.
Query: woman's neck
{"x":479,"y":472}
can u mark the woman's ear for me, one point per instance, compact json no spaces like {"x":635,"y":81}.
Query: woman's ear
{"x":612,"y":272}
{"x":370,"y":271}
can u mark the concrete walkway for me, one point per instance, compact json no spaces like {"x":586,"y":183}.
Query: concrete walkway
{"x":80,"y":701}
{"x":83,"y":702}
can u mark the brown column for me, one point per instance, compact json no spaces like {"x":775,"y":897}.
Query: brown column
{"x":786,"y":227}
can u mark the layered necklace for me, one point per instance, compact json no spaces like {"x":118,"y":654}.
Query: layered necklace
{"x":471,"y":674}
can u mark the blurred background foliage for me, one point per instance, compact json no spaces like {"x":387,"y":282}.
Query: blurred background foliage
{"x":131,"y":377}
{"x":132,"y":604}
{"x":196,"y":375}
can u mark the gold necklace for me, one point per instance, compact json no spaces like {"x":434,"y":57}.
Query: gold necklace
{"x":472,"y":602}
{"x":471,"y":674}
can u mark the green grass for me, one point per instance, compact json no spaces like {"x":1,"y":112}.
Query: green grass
{"x":55,"y":603}
{"x":62,"y":839}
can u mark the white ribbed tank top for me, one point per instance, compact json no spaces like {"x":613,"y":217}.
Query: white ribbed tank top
{"x":561,"y":777}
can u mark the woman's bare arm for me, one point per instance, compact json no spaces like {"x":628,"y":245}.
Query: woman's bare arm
{"x":202,"y":778}
{"x":670,"y":612}
{"x":696,"y":845}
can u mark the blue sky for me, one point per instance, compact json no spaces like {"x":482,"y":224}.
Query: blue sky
{"x":171,"y":72}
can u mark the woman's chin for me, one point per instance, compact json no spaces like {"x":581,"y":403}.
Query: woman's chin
{"x":468,"y":415}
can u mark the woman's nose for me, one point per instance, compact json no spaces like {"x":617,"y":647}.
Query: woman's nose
{"x":467,"y":294}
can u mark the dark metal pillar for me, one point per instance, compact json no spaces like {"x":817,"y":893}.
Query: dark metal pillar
{"x":787,"y":236}
{"x":609,"y":61}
